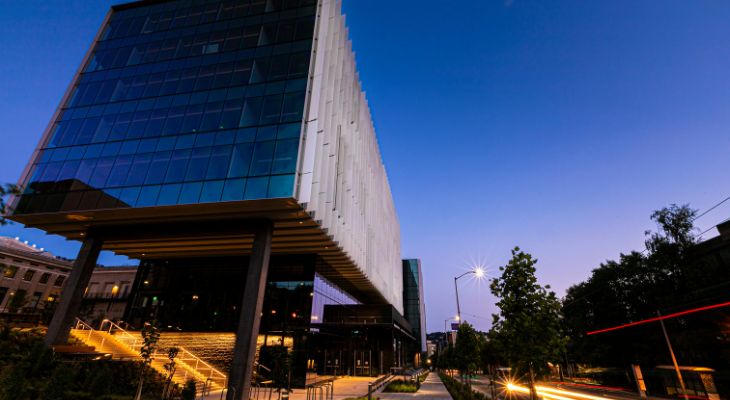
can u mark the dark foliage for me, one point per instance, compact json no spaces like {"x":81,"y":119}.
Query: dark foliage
{"x":673,"y":273}
{"x":460,"y":391}
{"x":28,"y":371}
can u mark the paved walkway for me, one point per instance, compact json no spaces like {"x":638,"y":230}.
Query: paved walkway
{"x":432,"y":389}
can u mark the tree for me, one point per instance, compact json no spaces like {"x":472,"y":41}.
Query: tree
{"x":150,"y":336}
{"x":527,"y":330}
{"x":468,"y":345}
{"x":671,"y":274}
{"x":6,"y":191}
{"x":170,"y":368}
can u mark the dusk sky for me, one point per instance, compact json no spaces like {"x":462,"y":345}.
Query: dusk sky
{"x":555,"y":126}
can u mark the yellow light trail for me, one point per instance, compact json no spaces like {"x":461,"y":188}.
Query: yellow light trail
{"x":553,"y":393}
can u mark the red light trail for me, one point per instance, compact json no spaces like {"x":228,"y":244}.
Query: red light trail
{"x":663,"y":317}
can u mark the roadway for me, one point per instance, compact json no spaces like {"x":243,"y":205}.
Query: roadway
{"x":557,"y":391}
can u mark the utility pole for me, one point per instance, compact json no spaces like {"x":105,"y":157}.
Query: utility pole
{"x":458,"y":309}
{"x":674,"y":359}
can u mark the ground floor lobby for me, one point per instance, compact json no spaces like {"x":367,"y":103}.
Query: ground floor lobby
{"x":309,"y":323}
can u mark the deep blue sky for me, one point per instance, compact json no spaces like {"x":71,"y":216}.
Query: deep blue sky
{"x":555,"y":126}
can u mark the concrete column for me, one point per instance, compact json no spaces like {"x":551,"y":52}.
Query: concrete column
{"x":239,"y":379}
{"x":73,"y":292}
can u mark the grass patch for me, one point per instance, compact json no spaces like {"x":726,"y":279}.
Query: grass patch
{"x":459,"y":391}
{"x":400,"y":386}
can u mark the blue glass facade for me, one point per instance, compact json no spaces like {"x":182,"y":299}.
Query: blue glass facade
{"x":413,"y":306}
{"x":181,"y":102}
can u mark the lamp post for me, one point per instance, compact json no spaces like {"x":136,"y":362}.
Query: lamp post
{"x":479,"y":273}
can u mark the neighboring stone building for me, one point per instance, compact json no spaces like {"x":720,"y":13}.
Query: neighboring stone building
{"x":32,"y":278}
{"x":107,"y":293}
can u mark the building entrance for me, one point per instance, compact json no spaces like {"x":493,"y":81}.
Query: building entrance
{"x":362,"y":362}
{"x":333,"y":362}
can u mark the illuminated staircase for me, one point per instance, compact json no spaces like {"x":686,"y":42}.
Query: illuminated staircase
{"x":111,"y":339}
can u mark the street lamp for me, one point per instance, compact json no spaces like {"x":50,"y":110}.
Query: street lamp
{"x":479,"y":273}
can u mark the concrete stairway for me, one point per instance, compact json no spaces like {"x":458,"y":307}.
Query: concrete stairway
{"x":124,"y":345}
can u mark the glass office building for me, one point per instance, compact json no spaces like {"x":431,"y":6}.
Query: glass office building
{"x":414,"y":306}
{"x":195,"y":129}
{"x":181,"y":102}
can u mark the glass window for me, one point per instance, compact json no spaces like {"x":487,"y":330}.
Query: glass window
{"x":293,"y":108}
{"x":193,"y":116}
{"x":158,"y":168}
{"x":101,"y":172}
{"x":231,"y":114}
{"x":285,"y":156}
{"x":256,"y":188}
{"x":281,"y":186}
{"x":44,"y":278}
{"x":158,"y":114}
{"x":266,"y":133}
{"x":9,"y":271}
{"x":190,"y":193}
{"x":233,"y":190}
{"x":68,"y":170}
{"x":271,"y":112}
{"x":119,"y":172}
{"x":219,"y":162}
{"x":174,"y":121}
{"x":211,"y":191}
{"x":128,"y":196}
{"x":59,"y":281}
{"x":241,"y":160}
{"x":251,"y":112}
{"x":288,"y":131}
{"x":198,"y":164}
{"x":148,"y":196}
{"x":156,"y":123}
{"x":28,"y":276}
{"x":212,"y":116}
{"x":138,"y":169}
{"x":169,"y":195}
{"x":262,"y":156}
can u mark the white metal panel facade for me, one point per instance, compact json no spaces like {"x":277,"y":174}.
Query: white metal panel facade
{"x":341,"y":179}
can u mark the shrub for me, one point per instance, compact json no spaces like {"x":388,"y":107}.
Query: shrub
{"x":188,"y":392}
{"x":400,"y":386}
{"x":459,"y":391}
{"x":28,"y":371}
{"x":61,"y":381}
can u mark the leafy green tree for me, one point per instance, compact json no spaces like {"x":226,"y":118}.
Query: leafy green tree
{"x":527,"y":330}
{"x":468,"y":345}
{"x":5,"y":192}
{"x":150,"y":336}
{"x":671,"y":274}
{"x":170,"y":367}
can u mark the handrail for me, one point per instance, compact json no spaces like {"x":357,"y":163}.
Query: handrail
{"x":186,"y":354}
{"x":112,"y":325}
{"x":191,"y":363}
{"x":81,"y":325}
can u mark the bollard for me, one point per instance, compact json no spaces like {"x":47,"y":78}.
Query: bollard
{"x":370,"y":391}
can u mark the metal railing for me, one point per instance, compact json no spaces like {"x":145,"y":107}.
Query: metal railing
{"x":377,"y":384}
{"x":192,"y":366}
{"x":321,"y":390}
{"x":84,"y":327}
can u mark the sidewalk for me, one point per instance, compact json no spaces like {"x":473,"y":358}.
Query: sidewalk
{"x":432,"y":388}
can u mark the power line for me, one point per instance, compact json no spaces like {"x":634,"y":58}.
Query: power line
{"x":711,"y":208}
